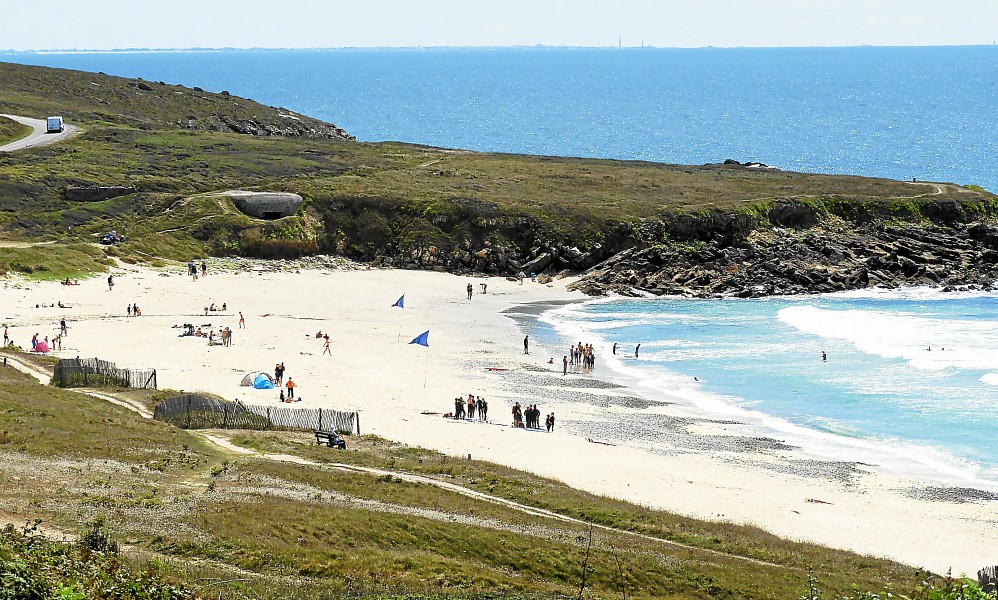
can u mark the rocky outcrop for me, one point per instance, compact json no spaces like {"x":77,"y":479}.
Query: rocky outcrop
{"x":97,"y":193}
{"x":287,"y":124}
{"x":782,"y":261}
{"x":265,"y":205}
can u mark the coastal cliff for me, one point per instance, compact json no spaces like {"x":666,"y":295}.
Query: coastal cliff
{"x":791,"y":247}
{"x":155,"y":160}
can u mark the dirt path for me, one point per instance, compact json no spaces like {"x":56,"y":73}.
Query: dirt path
{"x":227,"y":445}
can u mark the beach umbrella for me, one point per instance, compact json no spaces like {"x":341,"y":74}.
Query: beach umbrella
{"x":423,"y":339}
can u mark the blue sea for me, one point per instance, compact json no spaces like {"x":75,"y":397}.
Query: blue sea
{"x":882,"y":396}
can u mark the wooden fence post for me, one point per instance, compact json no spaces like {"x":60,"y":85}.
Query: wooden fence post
{"x":356,"y":416}
{"x":320,"y":419}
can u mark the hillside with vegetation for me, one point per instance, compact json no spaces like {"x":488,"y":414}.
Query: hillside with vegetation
{"x":12,"y":130}
{"x":720,"y":228}
{"x":132,"y":507}
{"x":105,"y":502}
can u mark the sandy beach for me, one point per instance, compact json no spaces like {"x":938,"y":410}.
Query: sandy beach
{"x":476,"y":349}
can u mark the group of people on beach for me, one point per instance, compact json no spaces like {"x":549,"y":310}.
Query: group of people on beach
{"x":474,"y":404}
{"x":192,"y":269}
{"x":133,"y":310}
{"x":530,"y":417}
{"x":213,"y":308}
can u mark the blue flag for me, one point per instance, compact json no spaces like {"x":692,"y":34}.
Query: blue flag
{"x":400,"y":302}
{"x":422,"y":339}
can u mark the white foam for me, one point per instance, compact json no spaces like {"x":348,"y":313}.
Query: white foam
{"x":969,"y":344}
{"x":925,"y":342}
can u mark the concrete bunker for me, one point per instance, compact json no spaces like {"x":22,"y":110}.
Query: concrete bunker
{"x":265,"y":205}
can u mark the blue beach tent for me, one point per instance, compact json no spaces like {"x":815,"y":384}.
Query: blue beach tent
{"x":263,"y":382}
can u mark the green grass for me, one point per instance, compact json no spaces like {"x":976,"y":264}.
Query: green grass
{"x":11,"y":130}
{"x":55,"y":261}
{"x":298,"y":531}
{"x":364,"y":199}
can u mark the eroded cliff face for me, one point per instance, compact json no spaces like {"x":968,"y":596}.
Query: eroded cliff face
{"x":790,"y":248}
{"x":818,"y":259}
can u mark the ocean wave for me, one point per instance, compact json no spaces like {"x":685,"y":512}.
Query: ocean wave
{"x":989,"y":378}
{"x":924,"y":342}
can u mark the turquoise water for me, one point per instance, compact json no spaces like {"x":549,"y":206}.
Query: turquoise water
{"x":886,"y":112}
{"x":881,"y":397}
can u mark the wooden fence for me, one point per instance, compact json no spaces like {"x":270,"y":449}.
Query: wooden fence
{"x":94,"y":372}
{"x":193,"y":411}
{"x":988,"y":578}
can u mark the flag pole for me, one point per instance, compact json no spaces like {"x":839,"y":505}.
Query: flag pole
{"x":426,"y":365}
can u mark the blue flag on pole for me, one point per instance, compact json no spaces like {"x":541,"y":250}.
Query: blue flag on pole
{"x":422,"y":339}
{"x":400,"y":302}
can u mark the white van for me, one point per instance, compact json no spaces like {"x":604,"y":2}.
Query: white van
{"x":53,"y":125}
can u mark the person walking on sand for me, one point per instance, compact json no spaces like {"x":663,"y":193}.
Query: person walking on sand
{"x":291,"y":387}
{"x":615,"y":348}
{"x":471,"y":290}
{"x":564,"y":365}
{"x":636,"y":349}
{"x":242,"y":321}
{"x":526,"y":344}
{"x":326,"y":349}
{"x":6,"y":338}
{"x":63,"y":330}
{"x":110,"y":282}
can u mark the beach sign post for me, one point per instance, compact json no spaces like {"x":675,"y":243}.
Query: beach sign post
{"x":423,"y":339}
{"x":400,"y":303}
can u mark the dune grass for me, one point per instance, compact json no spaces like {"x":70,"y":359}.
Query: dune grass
{"x":297,"y":531}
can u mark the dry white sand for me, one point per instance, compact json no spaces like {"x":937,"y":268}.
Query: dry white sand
{"x":375,"y":371}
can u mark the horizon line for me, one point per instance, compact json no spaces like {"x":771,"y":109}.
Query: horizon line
{"x":137,"y":50}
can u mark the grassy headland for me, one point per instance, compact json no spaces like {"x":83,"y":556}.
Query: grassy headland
{"x":462,"y":210}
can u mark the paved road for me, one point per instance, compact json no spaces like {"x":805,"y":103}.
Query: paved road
{"x":37,"y":137}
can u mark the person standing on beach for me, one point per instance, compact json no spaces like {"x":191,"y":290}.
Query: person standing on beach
{"x":471,"y":289}
{"x":526,"y":344}
{"x":824,"y":357}
{"x":6,"y":338}
{"x":326,"y":349}
{"x":291,"y":387}
{"x":615,"y":348}
{"x":242,"y":321}
{"x":63,"y":330}
{"x":204,"y":268}
{"x":564,"y":365}
{"x":636,"y":349}
{"x":110,"y":282}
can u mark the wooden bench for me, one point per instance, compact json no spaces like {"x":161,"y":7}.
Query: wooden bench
{"x":330,"y":438}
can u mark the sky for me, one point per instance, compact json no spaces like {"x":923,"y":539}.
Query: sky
{"x":111,"y":24}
